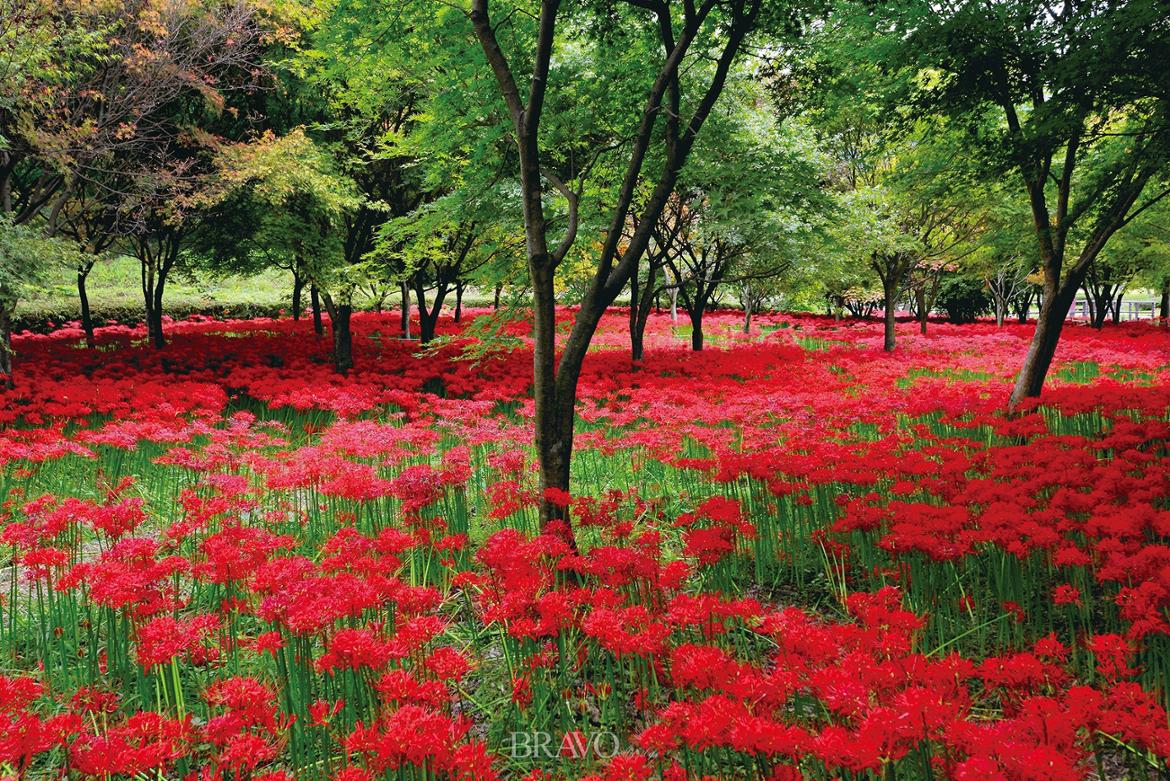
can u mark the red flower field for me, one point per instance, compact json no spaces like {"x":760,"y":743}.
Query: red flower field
{"x":799,"y":557}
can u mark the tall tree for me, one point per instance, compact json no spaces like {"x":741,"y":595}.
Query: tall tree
{"x":295,"y":206}
{"x":1073,"y":98}
{"x":521,"y":64}
{"x":25,"y":257}
{"x":749,"y":201}
{"x":105,"y":113}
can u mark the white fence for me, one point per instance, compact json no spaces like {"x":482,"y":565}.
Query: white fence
{"x":1135,"y":309}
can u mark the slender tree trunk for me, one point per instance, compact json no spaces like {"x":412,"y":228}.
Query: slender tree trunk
{"x":640,"y":317}
{"x":6,"y":347}
{"x":747,"y":314}
{"x":86,"y":314}
{"x":1024,"y":307}
{"x":890,"y":293}
{"x":405,"y":315}
{"x":1000,"y":310}
{"x":1117,"y":307}
{"x":633,"y":314}
{"x":315,"y":302}
{"x":1164,"y":304}
{"x":638,"y":302}
{"x":155,"y":326}
{"x":496,"y":298}
{"x":1100,"y":306}
{"x":697,"y":328}
{"x":459,"y":301}
{"x":920,"y":296}
{"x":339,"y":325}
{"x":674,"y":304}
{"x":298,"y":287}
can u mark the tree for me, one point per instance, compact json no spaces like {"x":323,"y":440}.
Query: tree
{"x":1140,"y":251}
{"x":1073,"y":98}
{"x":874,"y":230}
{"x":90,"y":220}
{"x":1004,"y":257}
{"x":700,"y":266}
{"x":104,"y":114}
{"x":910,"y":204}
{"x":440,"y":246}
{"x":357,"y":58}
{"x":746,"y":207}
{"x":295,"y":204}
{"x":674,"y":220}
{"x":661,"y":121}
{"x":25,"y":256}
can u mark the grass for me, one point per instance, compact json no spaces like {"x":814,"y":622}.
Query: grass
{"x":115,"y":293}
{"x":115,"y":288}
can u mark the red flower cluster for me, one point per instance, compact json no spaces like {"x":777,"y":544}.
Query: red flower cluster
{"x":797,"y":557}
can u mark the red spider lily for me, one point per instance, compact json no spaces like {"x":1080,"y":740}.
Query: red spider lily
{"x":325,"y":576}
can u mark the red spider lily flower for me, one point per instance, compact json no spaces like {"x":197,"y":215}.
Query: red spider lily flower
{"x":1064,"y":594}
{"x":164,"y":639}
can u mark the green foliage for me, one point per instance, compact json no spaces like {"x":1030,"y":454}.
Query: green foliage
{"x":963,"y":299}
{"x":25,"y":258}
{"x":282,"y":202}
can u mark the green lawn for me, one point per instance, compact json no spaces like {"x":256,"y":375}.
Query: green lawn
{"x":115,"y":291}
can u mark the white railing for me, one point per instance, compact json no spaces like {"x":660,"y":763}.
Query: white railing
{"x":1131,"y":309}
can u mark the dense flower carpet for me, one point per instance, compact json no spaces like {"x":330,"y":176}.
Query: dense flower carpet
{"x":799,"y":557}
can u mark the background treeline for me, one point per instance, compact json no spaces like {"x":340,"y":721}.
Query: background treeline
{"x":850,"y":158}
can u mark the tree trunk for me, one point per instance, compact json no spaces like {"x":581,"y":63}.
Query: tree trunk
{"x":428,"y":319}
{"x":86,"y":314}
{"x":1000,"y":311}
{"x":298,"y":287}
{"x":1100,"y":305}
{"x":637,"y":340}
{"x":459,"y":301}
{"x":426,"y":326}
{"x":633,"y":314}
{"x":920,"y":296}
{"x":697,"y":328}
{"x":640,"y":316}
{"x":315,"y":302}
{"x":674,"y":304}
{"x":1164,"y":304}
{"x":1117,"y":307}
{"x":496,"y":299}
{"x":339,"y":317}
{"x":153,"y":297}
{"x":1024,"y":307}
{"x":890,"y":293}
{"x":1049,"y":323}
{"x":554,"y":393}
{"x":404,"y":317}
{"x":6,"y":348}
